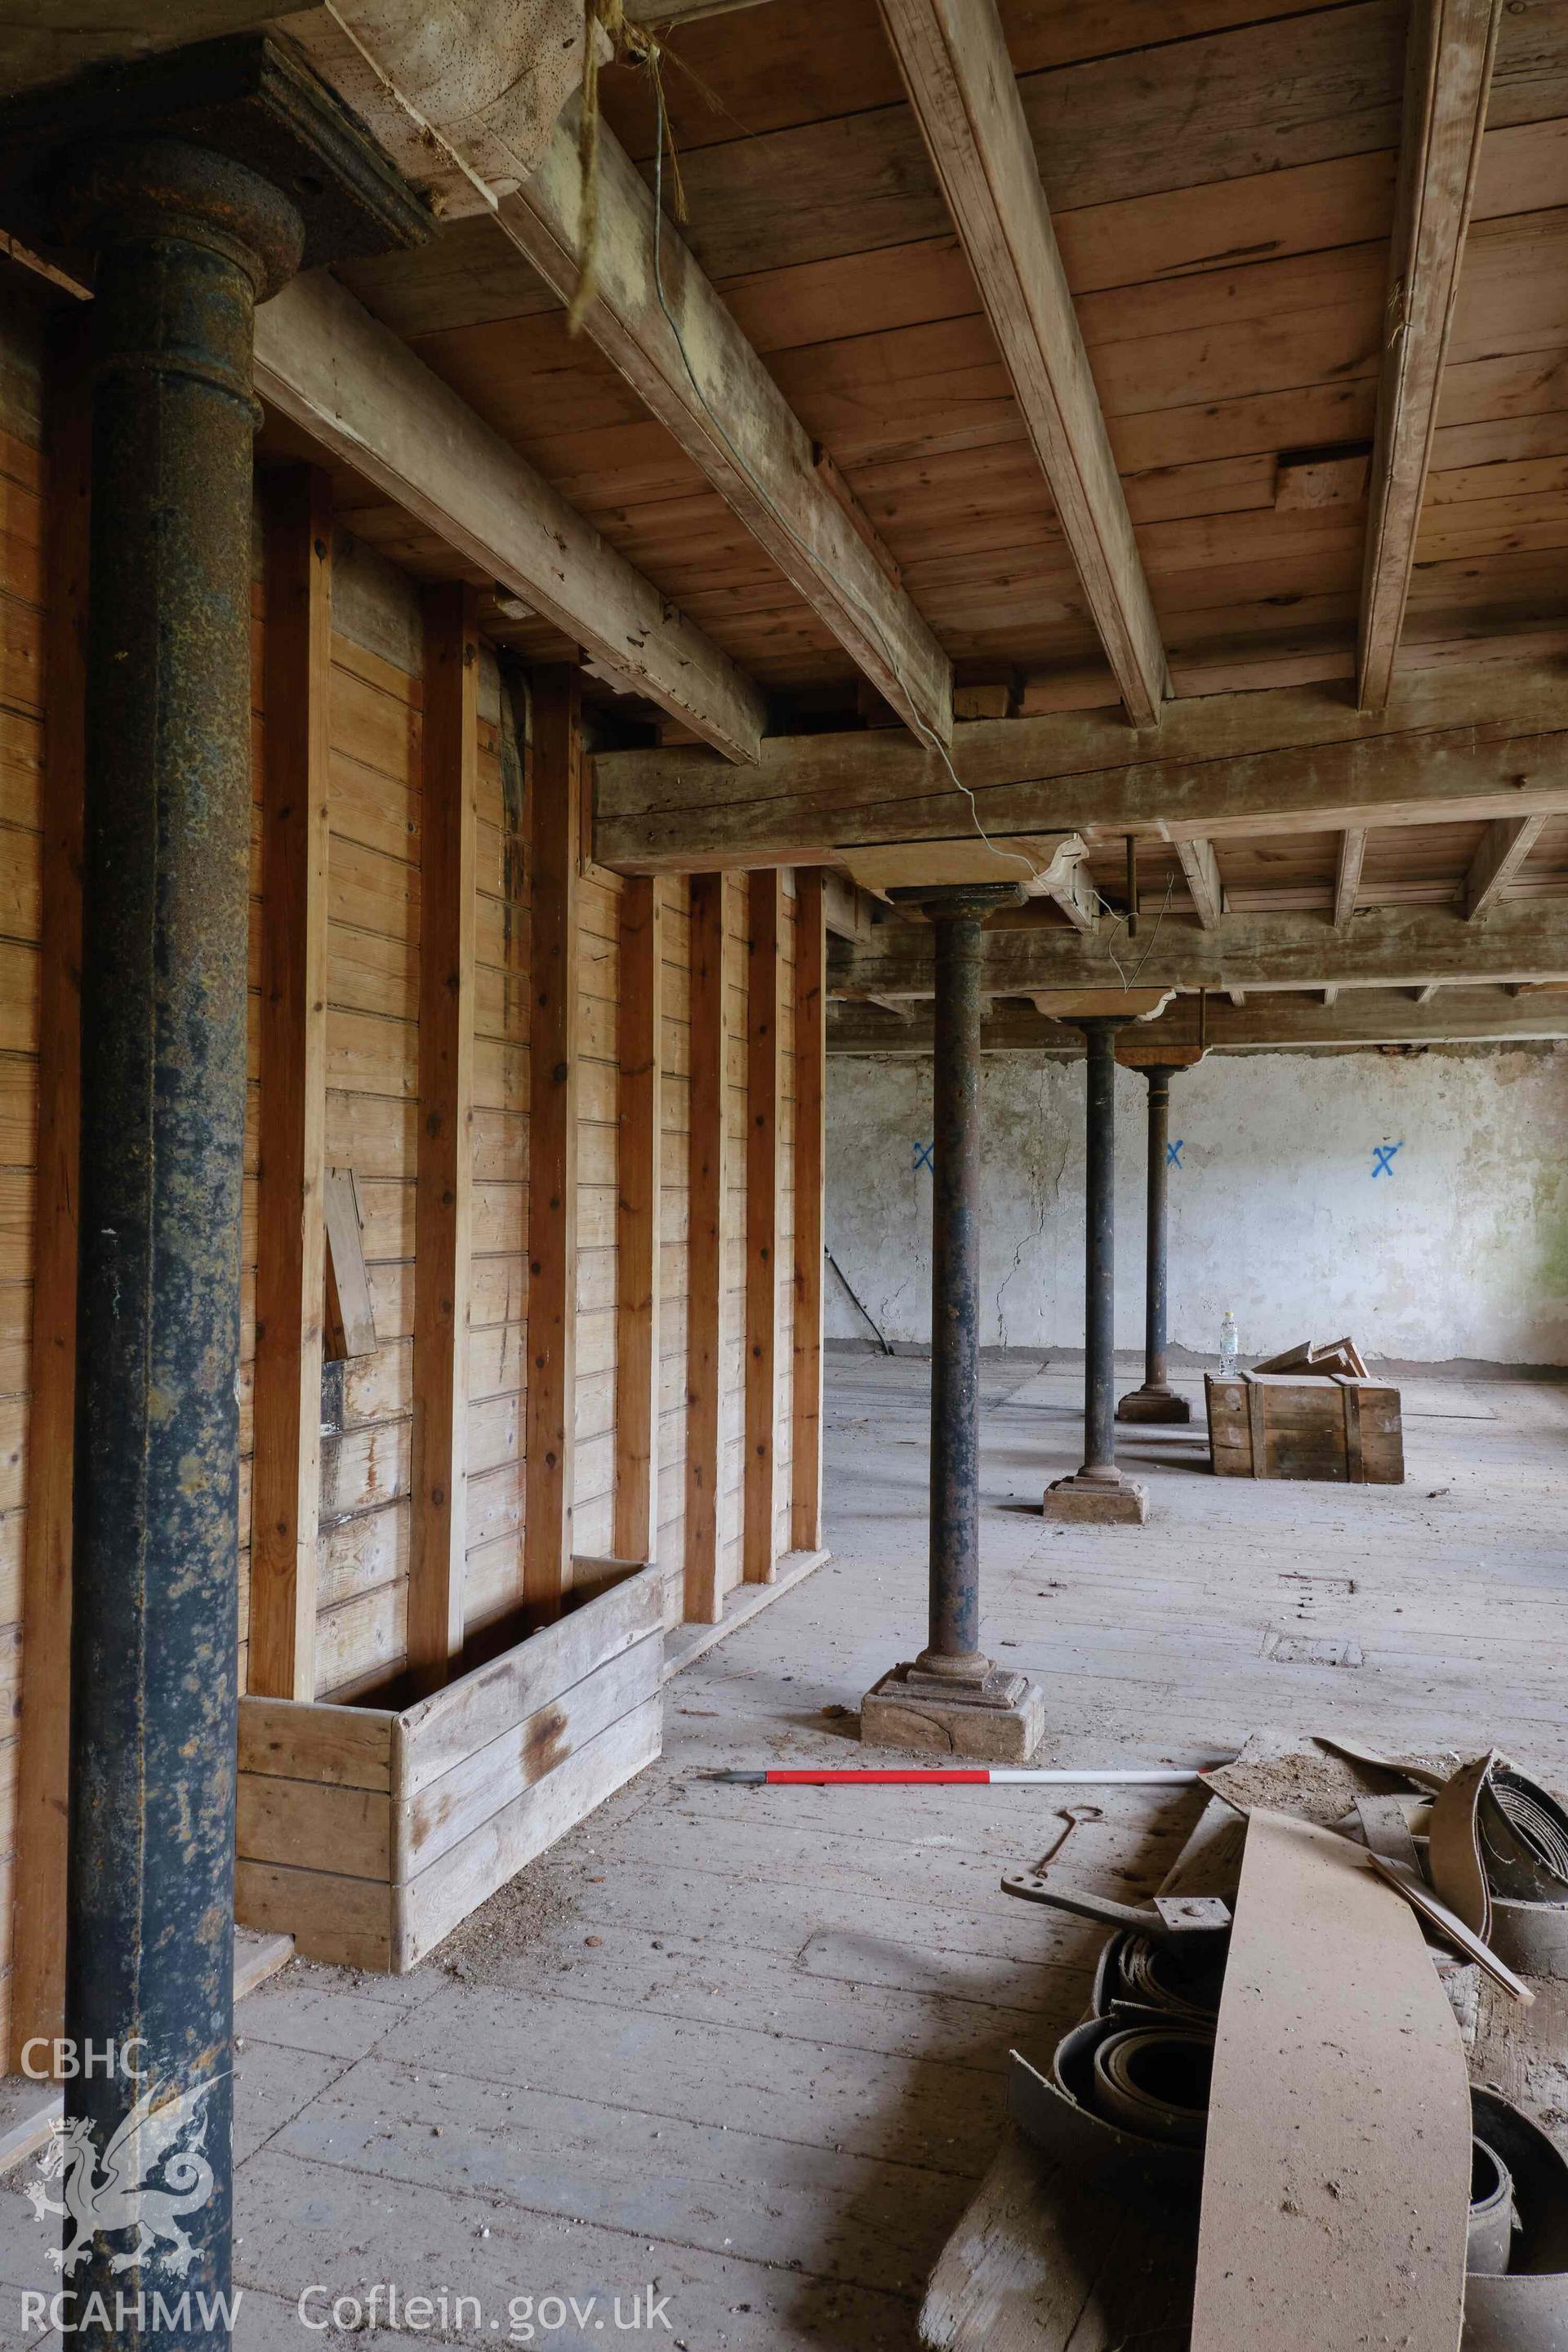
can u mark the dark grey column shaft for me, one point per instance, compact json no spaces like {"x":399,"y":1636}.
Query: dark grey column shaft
{"x":956,"y":1292}
{"x":1156,"y":1365}
{"x":1100,"y":1256}
{"x":182,"y":237}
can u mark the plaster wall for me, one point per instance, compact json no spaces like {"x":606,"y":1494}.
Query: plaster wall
{"x":1455,"y":1245}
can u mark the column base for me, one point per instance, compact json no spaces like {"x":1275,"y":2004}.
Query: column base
{"x":1153,"y":1404}
{"x":1001,"y":1720}
{"x":1095,"y":1499}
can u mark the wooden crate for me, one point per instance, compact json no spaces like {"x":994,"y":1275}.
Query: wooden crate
{"x":1286,"y":1425}
{"x":367,"y":1832}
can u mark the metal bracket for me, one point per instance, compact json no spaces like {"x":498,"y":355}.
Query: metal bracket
{"x":1170,"y":1918}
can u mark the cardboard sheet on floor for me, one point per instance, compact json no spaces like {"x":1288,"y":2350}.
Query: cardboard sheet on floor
{"x":1337,"y":2168}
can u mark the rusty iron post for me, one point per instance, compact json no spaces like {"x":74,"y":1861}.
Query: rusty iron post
{"x":188,"y":238}
{"x":953,"y":1696}
{"x":1156,"y":1399}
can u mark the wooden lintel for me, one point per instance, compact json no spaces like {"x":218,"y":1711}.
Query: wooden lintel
{"x":659,"y":321}
{"x":764,"y":1151}
{"x":952,"y":55}
{"x":38,"y":1984}
{"x":555,"y":830}
{"x":322,"y":361}
{"x":290,"y":1230}
{"x":640,"y":1016}
{"x":1448,"y":64}
{"x":1504,"y":846}
{"x":1449,"y":746}
{"x":444,"y":1197}
{"x":707,"y":1178}
{"x":808,"y":1175}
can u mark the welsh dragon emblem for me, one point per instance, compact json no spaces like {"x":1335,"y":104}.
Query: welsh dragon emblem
{"x":119,"y":2192}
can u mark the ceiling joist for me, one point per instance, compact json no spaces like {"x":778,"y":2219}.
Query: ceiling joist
{"x":322,"y":361}
{"x":952,"y":55}
{"x":657,"y":320}
{"x":1448,"y":66}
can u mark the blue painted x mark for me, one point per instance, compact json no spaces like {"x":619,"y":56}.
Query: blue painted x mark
{"x":923,"y":1157}
{"x":1174,"y":1153}
{"x":1383,"y":1154}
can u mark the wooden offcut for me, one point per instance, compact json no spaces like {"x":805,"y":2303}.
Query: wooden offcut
{"x":1284,"y":1425}
{"x":349,"y":1311}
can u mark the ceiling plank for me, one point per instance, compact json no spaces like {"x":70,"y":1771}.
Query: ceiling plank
{"x":657,"y":320}
{"x":1448,"y":66}
{"x":1364,"y":1016}
{"x":1347,"y":874}
{"x":952,"y":55}
{"x":1406,"y":947}
{"x":1504,"y":846}
{"x":1201,"y":867}
{"x":1452,"y":745}
{"x":325,"y":362}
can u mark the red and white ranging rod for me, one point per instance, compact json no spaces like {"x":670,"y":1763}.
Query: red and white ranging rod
{"x":982,"y":1776}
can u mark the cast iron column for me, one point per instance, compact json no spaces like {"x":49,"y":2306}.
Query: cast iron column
{"x":1099,"y":1489}
{"x":138,"y":165}
{"x":952,"y":1696}
{"x":1156,"y":1399}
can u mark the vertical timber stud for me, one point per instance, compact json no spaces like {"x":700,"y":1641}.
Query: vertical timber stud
{"x":1156,"y":1399}
{"x":639,"y":1088}
{"x":171,"y":172}
{"x":707,"y":1182}
{"x":286,"y":1473}
{"x":37,"y":1986}
{"x":444,"y":1198}
{"x":555,"y":814}
{"x":1098,"y":1491}
{"x":952,"y":1698}
{"x":810,"y":1101}
{"x":764,"y":1123}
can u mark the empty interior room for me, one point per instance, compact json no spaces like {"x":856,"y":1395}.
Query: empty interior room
{"x":783,"y":1175}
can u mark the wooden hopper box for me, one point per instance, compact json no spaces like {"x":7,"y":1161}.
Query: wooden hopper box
{"x":368,"y":1831}
{"x":1290,"y":1426}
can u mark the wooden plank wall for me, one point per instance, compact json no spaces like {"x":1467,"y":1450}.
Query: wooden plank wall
{"x":374,"y":708}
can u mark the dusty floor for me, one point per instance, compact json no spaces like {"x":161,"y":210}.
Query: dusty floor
{"x":739,"y":2049}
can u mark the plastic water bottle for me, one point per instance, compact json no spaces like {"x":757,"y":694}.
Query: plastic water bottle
{"x":1229,"y":1347}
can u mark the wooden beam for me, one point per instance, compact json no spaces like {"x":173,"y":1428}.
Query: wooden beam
{"x":809,"y":1172}
{"x":708,"y":1183}
{"x":1449,"y":746}
{"x":1347,"y":873}
{"x":37,"y":1988}
{"x":1201,"y":867}
{"x":640,"y":1016}
{"x":285,"y":1482}
{"x":764,"y":1148}
{"x":555,"y":830}
{"x":444,"y":1165}
{"x":1362,"y":1016}
{"x":322,"y":361}
{"x":1504,"y":846}
{"x":1525,"y":939}
{"x":659,"y":321}
{"x":952,"y":55}
{"x":1448,"y":64}
{"x":1072,"y":885}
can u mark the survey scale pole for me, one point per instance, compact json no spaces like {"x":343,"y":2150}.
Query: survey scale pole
{"x":952,"y":1698}
{"x":1156,"y":1399}
{"x":198,"y":180}
{"x":1098,"y":1491}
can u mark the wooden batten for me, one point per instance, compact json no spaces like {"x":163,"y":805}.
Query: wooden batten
{"x":285,"y":1482}
{"x":555,"y":820}
{"x":808,"y":1170}
{"x":639,"y":1087}
{"x":37,"y":1987}
{"x":764,"y":1147}
{"x":708,"y":1184}
{"x":442,"y":1221}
